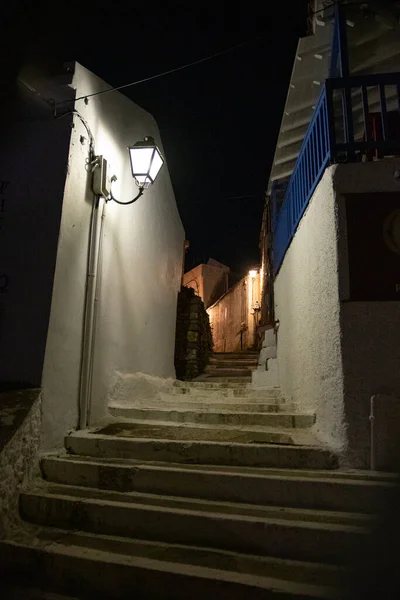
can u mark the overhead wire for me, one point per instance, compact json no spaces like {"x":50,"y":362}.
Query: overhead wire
{"x":182,"y":67}
{"x":317,"y":12}
{"x":85,"y":124}
{"x":162,"y":74}
{"x":334,"y":3}
{"x":68,"y":112}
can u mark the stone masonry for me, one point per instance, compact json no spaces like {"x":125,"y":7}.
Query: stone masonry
{"x":20,"y":424}
{"x":193,"y":344}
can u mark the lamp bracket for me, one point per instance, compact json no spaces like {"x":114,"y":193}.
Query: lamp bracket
{"x":111,"y":196}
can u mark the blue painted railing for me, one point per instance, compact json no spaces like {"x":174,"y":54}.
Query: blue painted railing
{"x":337,"y":133}
{"x":360,"y":88}
{"x":314,"y":156}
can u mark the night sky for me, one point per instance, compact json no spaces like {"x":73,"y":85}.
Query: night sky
{"x":219,"y":120}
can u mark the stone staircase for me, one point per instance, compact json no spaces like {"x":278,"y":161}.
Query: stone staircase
{"x":212,"y":490}
{"x":230,"y":364}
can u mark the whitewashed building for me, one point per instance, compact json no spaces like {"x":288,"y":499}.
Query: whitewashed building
{"x":331,"y":252}
{"x":59,"y":240}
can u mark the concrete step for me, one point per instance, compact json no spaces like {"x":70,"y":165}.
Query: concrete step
{"x":223,"y":560}
{"x":236,"y":355}
{"x":233,"y":364}
{"x":114,"y":568}
{"x":220,"y":393}
{"x":230,"y":371}
{"x":327,"y":490}
{"x":12,"y":592}
{"x":198,"y":452}
{"x":250,"y":356}
{"x":229,"y":383}
{"x":223,"y":380}
{"x":213,"y":371}
{"x":204,"y":404}
{"x":158,"y":430}
{"x":288,"y":533}
{"x":217,"y":417}
{"x":175,"y":502}
{"x":218,"y":362}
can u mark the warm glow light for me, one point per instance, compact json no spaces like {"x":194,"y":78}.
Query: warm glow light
{"x":141,"y":159}
{"x":253,"y":273}
{"x":146,"y":161}
{"x":155,"y":165}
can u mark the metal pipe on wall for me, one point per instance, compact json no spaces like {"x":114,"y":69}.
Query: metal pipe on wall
{"x":90,"y":312}
{"x":95,"y":311}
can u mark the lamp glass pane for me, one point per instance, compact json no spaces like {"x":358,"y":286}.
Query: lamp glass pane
{"x":140,"y":160}
{"x":142,"y":179}
{"x":155,"y":165}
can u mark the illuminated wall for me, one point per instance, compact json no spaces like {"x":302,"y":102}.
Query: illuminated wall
{"x":141,"y":252}
{"x":233,"y":319}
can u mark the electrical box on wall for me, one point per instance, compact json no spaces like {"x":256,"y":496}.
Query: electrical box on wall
{"x":101,"y":177}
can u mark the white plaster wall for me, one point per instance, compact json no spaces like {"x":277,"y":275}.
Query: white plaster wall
{"x":308,"y":309}
{"x":141,"y":270}
{"x":333,"y":354}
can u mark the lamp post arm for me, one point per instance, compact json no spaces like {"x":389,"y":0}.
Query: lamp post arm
{"x":141,"y":190}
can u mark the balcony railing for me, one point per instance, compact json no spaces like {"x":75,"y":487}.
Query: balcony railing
{"x":355,"y":119}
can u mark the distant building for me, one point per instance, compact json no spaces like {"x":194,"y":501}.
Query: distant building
{"x":234,"y":317}
{"x":209,"y":281}
{"x":233,"y":304}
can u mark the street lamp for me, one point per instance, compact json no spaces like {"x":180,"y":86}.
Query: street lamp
{"x":146,"y":162}
{"x":253,"y":274}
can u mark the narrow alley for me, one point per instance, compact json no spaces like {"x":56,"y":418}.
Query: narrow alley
{"x":200,"y":301}
{"x":221,"y":491}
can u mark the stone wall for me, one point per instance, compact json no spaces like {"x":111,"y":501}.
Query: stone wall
{"x":193,"y":345}
{"x":20,"y":426}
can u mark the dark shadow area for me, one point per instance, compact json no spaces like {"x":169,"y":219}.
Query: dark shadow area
{"x":15,"y":405}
